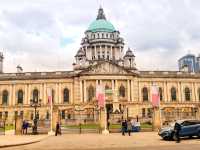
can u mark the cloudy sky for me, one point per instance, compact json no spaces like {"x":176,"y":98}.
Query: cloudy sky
{"x":44,"y":35}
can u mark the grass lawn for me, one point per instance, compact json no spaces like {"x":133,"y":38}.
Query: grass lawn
{"x":83,"y":126}
{"x":96,"y":126}
{"x":10,"y":127}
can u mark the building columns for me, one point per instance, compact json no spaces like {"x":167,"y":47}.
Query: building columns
{"x":95,"y":52}
{"x":179,"y":92}
{"x":128,"y":90}
{"x":10,"y":96}
{"x":29,"y":93}
{"x":26,"y":94}
{"x":71,"y":94}
{"x":81,"y":91}
{"x":59,"y":93}
{"x":132,"y":99}
{"x":116,"y":91}
{"x":193,"y":93}
{"x":85,"y":93}
{"x":44,"y":93}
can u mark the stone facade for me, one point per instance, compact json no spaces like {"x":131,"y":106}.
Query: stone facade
{"x":127,"y":89}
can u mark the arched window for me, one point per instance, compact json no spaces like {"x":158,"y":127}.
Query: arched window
{"x":5,"y":97}
{"x":160,"y":94}
{"x":35,"y":95}
{"x":187,"y":94}
{"x":173,"y":94}
{"x":20,"y":97}
{"x":199,"y":94}
{"x":90,"y":93}
{"x":122,"y":91}
{"x":66,"y":95}
{"x":145,"y":94}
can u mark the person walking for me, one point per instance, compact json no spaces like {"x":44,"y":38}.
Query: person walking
{"x":177,"y":129}
{"x":58,"y":129}
{"x":108,"y":125}
{"x":23,"y":127}
{"x":123,"y":126}
{"x":129,"y":127}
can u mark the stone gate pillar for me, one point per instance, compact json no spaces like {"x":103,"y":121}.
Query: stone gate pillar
{"x":18,"y":125}
{"x":56,"y":117}
{"x":156,"y":118}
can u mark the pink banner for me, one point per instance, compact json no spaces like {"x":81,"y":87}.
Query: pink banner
{"x":155,"y":96}
{"x":100,"y":95}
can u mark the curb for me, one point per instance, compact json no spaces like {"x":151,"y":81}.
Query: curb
{"x":21,"y":144}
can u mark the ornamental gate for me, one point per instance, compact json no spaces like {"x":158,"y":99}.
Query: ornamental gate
{"x":80,"y":121}
{"x":171,"y":114}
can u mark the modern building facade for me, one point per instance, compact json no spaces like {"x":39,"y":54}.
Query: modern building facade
{"x":189,"y":63}
{"x":100,"y":61}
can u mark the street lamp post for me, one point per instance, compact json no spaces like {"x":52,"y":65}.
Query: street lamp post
{"x":35,"y":104}
{"x":79,"y":109}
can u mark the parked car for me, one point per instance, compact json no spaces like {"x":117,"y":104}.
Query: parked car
{"x":189,"y":128}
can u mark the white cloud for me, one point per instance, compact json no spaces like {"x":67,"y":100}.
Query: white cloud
{"x":31,"y":31}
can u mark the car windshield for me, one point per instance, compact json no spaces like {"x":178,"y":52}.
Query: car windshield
{"x":172,"y":124}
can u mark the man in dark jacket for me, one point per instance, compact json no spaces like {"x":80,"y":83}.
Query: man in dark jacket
{"x":58,"y":129}
{"x":177,"y":129}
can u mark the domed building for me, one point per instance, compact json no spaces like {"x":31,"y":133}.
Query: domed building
{"x":101,"y":61}
{"x":102,"y":42}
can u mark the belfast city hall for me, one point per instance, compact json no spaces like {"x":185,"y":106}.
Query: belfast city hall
{"x":100,"y":60}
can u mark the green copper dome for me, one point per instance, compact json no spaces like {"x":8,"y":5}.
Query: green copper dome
{"x":101,"y":25}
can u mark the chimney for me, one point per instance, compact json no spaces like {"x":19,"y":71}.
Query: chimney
{"x":1,"y":62}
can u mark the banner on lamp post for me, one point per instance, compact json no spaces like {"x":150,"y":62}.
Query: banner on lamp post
{"x":155,"y":96}
{"x":49,"y":95}
{"x":100,"y":95}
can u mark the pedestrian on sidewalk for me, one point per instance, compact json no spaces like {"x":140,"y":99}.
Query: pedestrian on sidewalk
{"x":129,"y":127}
{"x":58,"y":129}
{"x":108,"y":124}
{"x":23,"y":126}
{"x":123,"y":127}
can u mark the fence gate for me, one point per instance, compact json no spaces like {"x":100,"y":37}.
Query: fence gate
{"x":170,"y":114}
{"x":43,"y":126}
{"x":80,"y":121}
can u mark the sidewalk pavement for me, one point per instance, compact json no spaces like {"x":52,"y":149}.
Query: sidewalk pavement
{"x":17,"y":140}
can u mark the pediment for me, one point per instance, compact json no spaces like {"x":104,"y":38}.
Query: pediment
{"x":106,"y":68}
